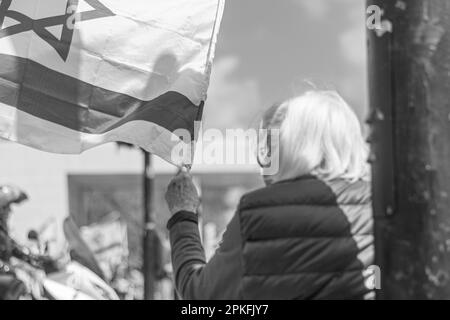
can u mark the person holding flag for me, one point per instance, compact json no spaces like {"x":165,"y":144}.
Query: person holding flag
{"x":308,"y":234}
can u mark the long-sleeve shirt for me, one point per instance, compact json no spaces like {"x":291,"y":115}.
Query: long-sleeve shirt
{"x":220,"y":278}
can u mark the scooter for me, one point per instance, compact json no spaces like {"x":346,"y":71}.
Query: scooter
{"x":72,"y":281}
{"x":11,"y":288}
{"x":25,"y":275}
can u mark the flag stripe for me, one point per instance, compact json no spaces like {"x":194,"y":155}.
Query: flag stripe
{"x":72,"y":103}
{"x":51,"y":137}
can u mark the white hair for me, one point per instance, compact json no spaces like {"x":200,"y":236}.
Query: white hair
{"x":319,"y":135}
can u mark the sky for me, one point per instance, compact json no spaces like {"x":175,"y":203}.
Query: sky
{"x":268,"y":48}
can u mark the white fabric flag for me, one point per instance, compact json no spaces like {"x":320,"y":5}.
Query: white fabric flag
{"x":78,"y":73}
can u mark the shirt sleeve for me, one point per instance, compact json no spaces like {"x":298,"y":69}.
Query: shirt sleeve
{"x":220,"y":278}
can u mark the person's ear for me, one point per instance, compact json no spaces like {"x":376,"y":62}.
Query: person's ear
{"x":264,"y":149}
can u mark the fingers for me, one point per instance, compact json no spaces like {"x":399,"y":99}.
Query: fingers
{"x":182,"y":174}
{"x":183,"y":179}
{"x":182,"y":169}
{"x":181,"y":193}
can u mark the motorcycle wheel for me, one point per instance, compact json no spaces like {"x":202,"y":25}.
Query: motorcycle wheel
{"x":12,"y":288}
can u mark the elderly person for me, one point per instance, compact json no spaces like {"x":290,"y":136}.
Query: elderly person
{"x":307,"y":234}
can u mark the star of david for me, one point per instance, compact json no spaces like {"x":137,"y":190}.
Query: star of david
{"x":39,"y":26}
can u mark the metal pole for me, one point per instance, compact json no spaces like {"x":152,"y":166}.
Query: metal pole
{"x":409,"y":76}
{"x":150,"y":253}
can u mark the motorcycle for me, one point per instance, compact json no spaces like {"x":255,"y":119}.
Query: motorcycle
{"x":25,"y":275}
{"x":11,"y":288}
{"x":71,"y":281}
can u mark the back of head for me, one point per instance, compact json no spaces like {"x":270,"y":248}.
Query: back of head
{"x":319,"y":135}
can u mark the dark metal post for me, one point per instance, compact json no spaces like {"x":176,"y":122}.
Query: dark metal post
{"x":409,"y":73}
{"x":150,"y":241}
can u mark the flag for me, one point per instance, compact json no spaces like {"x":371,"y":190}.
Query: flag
{"x":75,"y":74}
{"x":108,"y":240}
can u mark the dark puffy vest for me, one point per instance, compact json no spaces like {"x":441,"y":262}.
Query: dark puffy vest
{"x":307,"y":239}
